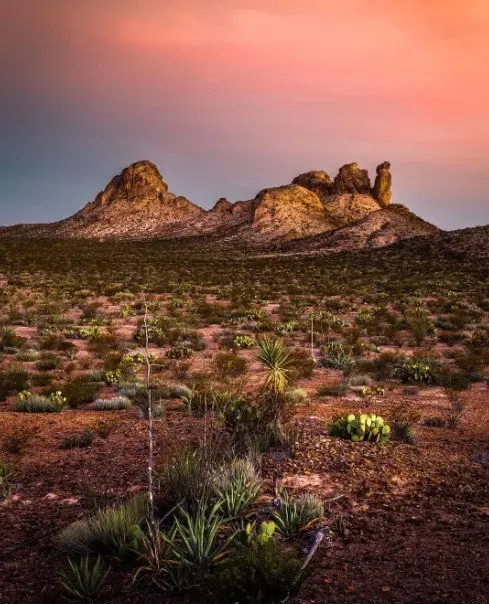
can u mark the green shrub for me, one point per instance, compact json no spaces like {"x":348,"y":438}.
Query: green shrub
{"x":296,"y":514}
{"x":263,"y":573}
{"x":109,"y":530}
{"x":419,"y":323}
{"x":111,"y":404}
{"x":27,"y":402}
{"x":78,"y":441}
{"x":10,"y":341}
{"x":184,"y":478}
{"x":15,"y":379}
{"x":81,"y":389}
{"x":236,"y":485}
{"x":180,"y":352}
{"x":229,"y":364}
{"x":47,"y":362}
{"x":362,"y":427}
{"x":336,"y":356}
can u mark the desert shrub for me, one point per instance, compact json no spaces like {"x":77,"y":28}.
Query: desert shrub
{"x":47,"y":362}
{"x":337,"y":356}
{"x":296,"y":514}
{"x":295,"y":396}
{"x":229,"y":364}
{"x":78,"y":441}
{"x":185,"y":478}
{"x":111,"y":404}
{"x":41,"y":379}
{"x":419,"y":371}
{"x":27,"y":402}
{"x":102,"y":343}
{"x":81,"y":389}
{"x":360,"y":379}
{"x":236,"y":485}
{"x":262,"y":573}
{"x":362,"y":427}
{"x":339,"y":389}
{"x":27,"y":356}
{"x":403,"y":422}
{"x":9,"y":341}
{"x":15,"y":379}
{"x":109,"y":530}
{"x":419,"y":323}
{"x":84,"y":581}
{"x":180,"y":352}
{"x":435,"y":421}
{"x":301,"y":364}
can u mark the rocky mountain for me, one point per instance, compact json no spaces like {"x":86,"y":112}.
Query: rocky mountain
{"x":313,"y":207}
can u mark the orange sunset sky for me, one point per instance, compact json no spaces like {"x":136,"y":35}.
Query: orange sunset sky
{"x":231,"y":96}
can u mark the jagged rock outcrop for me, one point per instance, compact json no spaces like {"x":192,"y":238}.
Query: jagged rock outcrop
{"x":139,"y":188}
{"x":222,"y":206}
{"x":382,"y":190}
{"x":290,"y":211}
{"x":351,"y":179}
{"x":316,"y":181}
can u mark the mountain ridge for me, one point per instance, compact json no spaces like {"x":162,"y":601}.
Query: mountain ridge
{"x":313,"y":209}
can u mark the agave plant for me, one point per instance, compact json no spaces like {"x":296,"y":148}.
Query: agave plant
{"x":193,"y":539}
{"x":273,"y":354}
{"x":84,"y":580}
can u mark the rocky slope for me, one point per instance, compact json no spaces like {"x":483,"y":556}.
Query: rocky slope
{"x":137,"y":204}
{"x":377,"y":229}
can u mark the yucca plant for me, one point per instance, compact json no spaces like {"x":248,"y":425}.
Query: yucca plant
{"x":296,"y":514}
{"x":84,"y":580}
{"x":236,"y":484}
{"x":273,"y":354}
{"x":194,"y":538}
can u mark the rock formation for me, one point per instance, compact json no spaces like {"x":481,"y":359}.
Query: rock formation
{"x":139,"y":188}
{"x":137,"y":204}
{"x":383,"y":185}
{"x":290,"y":211}
{"x":316,"y":181}
{"x":351,"y":179}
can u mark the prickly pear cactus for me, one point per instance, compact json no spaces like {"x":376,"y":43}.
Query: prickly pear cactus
{"x":361,"y":427}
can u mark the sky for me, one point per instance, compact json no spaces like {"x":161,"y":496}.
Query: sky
{"x":229,"y":97}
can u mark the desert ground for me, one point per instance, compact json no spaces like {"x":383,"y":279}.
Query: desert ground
{"x":393,"y":332}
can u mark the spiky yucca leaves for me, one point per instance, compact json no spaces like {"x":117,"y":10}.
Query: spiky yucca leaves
{"x":296,"y":514}
{"x":236,"y":484}
{"x":273,"y":354}
{"x":84,"y":581}
{"x":194,"y":538}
